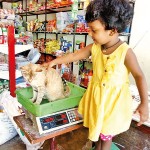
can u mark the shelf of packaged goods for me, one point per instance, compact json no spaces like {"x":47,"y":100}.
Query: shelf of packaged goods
{"x":76,"y":33}
{"x":47,"y":11}
{"x":72,"y":33}
{"x":5,"y":74}
{"x":18,"y":48}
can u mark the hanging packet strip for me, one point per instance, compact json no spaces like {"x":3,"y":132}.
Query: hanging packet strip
{"x":74,"y":9}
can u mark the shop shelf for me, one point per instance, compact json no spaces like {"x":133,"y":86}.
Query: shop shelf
{"x":68,"y":33}
{"x":18,"y":48}
{"x":5,"y":74}
{"x":10,"y":1}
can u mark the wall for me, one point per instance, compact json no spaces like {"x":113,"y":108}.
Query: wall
{"x":140,"y":34}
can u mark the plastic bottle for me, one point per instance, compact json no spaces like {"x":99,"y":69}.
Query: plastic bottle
{"x":5,"y":35}
{"x":90,"y":74}
{"x":1,"y":37}
{"x":86,"y":80}
{"x":82,"y":78}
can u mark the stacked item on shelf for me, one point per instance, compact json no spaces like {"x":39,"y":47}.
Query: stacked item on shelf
{"x":34,"y":6}
{"x":8,"y":20}
{"x":51,"y":26}
{"x":35,"y":25}
{"x":81,"y":25}
{"x":48,"y":46}
{"x":62,"y":23}
{"x":65,"y":45}
{"x":7,"y":17}
{"x":4,"y":85}
{"x":40,"y":44}
{"x":3,"y":62}
{"x":63,"y":20}
{"x":7,"y":14}
{"x":85,"y":77}
{"x":17,"y":7}
{"x":52,"y":46}
{"x":33,"y":57}
{"x":22,"y":36}
{"x":65,"y":23}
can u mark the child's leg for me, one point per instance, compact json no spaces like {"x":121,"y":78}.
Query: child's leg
{"x":106,"y":145}
{"x":103,"y":145}
{"x":98,"y":145}
{"x":104,"y":142}
{"x":93,"y":144}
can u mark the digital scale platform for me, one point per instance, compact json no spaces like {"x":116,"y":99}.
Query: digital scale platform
{"x":58,"y":120}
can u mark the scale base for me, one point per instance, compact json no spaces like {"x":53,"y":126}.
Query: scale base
{"x":30,"y":116}
{"x":54,"y":121}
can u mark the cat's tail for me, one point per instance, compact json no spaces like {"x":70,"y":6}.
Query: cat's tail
{"x":67,"y":91}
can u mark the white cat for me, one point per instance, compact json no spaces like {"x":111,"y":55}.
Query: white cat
{"x":45,"y":82}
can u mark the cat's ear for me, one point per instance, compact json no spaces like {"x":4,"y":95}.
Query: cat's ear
{"x":23,"y":69}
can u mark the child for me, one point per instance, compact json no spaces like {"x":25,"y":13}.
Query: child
{"x":107,"y":104}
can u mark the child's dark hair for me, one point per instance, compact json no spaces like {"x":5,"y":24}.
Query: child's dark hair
{"x":115,"y":14}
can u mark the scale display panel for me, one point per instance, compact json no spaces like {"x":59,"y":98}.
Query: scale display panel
{"x":58,"y":120}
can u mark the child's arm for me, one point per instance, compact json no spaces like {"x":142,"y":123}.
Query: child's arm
{"x":133,"y":66}
{"x":81,"y":54}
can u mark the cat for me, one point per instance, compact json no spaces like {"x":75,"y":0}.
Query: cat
{"x":45,"y":82}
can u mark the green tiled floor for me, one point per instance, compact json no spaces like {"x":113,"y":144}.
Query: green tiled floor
{"x":113,"y":147}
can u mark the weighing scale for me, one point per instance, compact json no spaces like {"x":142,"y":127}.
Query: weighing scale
{"x":51,"y":116}
{"x":58,"y":120}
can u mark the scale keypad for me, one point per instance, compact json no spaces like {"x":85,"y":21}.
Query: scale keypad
{"x":73,"y":115}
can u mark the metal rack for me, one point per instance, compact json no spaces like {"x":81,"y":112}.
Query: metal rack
{"x":11,"y":49}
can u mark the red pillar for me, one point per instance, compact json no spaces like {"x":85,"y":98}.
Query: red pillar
{"x":11,"y":59}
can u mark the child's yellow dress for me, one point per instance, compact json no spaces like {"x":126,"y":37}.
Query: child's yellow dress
{"x":107,"y":104}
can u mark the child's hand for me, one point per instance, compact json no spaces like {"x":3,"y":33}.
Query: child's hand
{"x":143,"y":112}
{"x":45,"y":65}
{"x":48,"y":64}
{"x":51,"y":64}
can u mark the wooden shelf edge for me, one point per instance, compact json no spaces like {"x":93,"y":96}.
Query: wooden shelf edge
{"x":69,"y":33}
{"x":47,"y":11}
{"x":18,"y":48}
{"x":10,"y":1}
